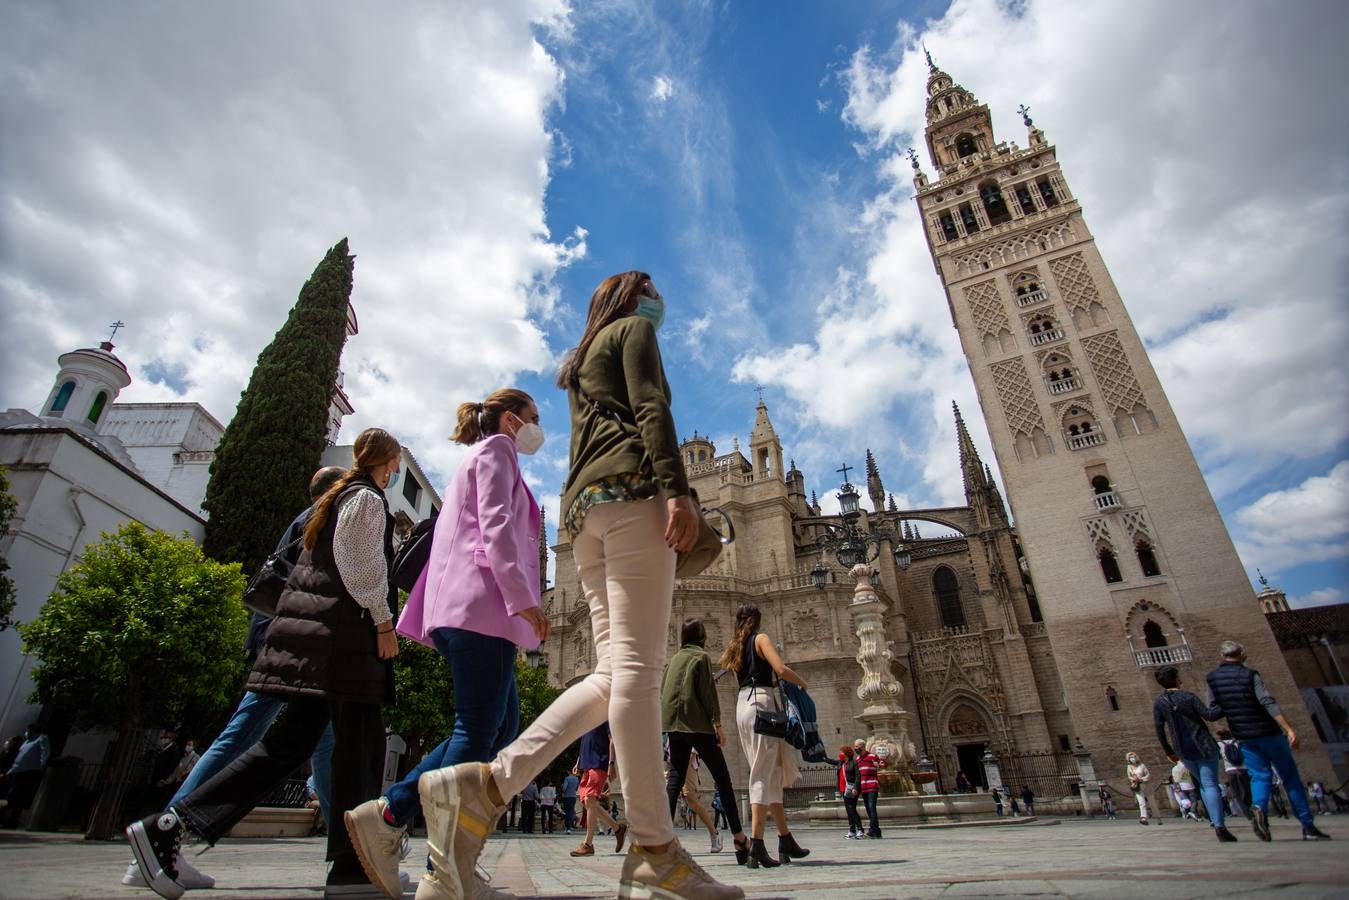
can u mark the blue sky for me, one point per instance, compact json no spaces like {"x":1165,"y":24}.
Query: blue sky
{"x":490,"y":165}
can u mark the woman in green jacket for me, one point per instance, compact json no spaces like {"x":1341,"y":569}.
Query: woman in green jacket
{"x":691,"y":718}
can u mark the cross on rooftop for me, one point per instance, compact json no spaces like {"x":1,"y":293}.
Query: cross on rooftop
{"x":759,"y":389}
{"x":115,"y":326}
{"x":845,"y":470}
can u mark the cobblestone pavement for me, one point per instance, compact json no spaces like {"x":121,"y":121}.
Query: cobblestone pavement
{"x":1071,"y":859}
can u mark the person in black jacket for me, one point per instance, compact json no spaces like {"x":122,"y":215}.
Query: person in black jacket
{"x":1267,"y":740}
{"x":329,"y":654}
{"x":1183,"y":715}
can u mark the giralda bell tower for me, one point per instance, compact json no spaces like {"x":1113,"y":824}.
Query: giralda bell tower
{"x":1132,"y":564}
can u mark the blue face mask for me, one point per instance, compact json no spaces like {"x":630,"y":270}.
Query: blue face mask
{"x":393,"y":479}
{"x":652,"y":309}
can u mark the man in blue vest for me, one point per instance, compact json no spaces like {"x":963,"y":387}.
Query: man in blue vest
{"x":1267,"y":740}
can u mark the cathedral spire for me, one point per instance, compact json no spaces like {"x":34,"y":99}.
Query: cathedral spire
{"x":874,"y":487}
{"x":892,"y":507}
{"x":971,"y":466}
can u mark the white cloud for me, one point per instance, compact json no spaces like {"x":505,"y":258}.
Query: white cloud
{"x":661,"y":88}
{"x":1202,"y":166}
{"x":1306,"y":523}
{"x":1320,"y":597}
{"x":185,"y":169}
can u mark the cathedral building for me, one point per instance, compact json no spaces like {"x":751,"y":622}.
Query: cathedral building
{"x":966,"y":643}
{"x":1132,"y":564}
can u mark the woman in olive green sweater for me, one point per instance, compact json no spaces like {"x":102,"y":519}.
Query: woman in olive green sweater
{"x":691,"y":717}
{"x":627,"y":507}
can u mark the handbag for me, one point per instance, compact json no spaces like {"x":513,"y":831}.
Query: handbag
{"x":768,"y":722}
{"x":413,"y":555}
{"x":265,"y":587}
{"x":708,"y":546}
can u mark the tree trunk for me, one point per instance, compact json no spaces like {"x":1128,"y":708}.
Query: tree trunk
{"x":105,"y":822}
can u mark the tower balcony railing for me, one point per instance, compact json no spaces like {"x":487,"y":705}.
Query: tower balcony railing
{"x":1108,"y":500}
{"x":1064,"y":385}
{"x":1046,"y":337}
{"x":1083,"y":441}
{"x":1153,"y":657}
{"x":1030,"y":298}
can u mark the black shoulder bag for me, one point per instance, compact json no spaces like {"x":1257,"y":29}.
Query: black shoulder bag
{"x":413,"y":555}
{"x":769,"y":723}
{"x":265,"y":587}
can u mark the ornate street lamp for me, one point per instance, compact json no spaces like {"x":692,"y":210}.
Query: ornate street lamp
{"x":819,"y":576}
{"x":849,"y":543}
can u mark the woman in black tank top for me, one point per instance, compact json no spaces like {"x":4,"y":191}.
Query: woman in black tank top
{"x":772,"y":763}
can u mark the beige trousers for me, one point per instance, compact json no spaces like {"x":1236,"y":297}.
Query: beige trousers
{"x":772,"y":762}
{"x":627,"y":574}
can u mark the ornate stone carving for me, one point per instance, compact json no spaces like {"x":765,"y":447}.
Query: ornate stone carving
{"x":1113,"y":373}
{"x":1018,"y":402}
{"x":1074,"y":282}
{"x":986,"y":308}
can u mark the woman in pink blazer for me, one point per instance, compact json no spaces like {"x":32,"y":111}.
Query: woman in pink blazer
{"x":476,"y":602}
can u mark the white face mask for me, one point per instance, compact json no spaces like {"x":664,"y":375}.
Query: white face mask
{"x":529,"y":437}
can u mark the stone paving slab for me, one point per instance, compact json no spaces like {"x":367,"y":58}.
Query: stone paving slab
{"x":1075,"y":859}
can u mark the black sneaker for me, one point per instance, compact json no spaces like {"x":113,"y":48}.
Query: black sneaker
{"x":1312,"y":833}
{"x":1260,"y":823}
{"x":1224,"y":836}
{"x":156,"y":841}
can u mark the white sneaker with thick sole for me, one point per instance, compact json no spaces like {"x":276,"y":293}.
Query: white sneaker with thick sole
{"x":378,"y":845}
{"x":672,"y":875}
{"x":189,"y":876}
{"x":459,"y":817}
{"x":716,"y":842}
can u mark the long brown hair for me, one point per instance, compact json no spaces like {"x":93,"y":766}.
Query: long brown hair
{"x":747,"y":619}
{"x":608,"y":303}
{"x":475,"y":421}
{"x":374,"y":447}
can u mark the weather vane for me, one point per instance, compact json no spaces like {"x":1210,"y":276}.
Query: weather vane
{"x":1263,"y":581}
{"x":1025,"y":114}
{"x":930,"y":63}
{"x":759,"y":389}
{"x":115,"y":326}
{"x":913,"y":158}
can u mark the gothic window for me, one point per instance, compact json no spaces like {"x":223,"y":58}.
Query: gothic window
{"x":967,"y":219}
{"x":62,"y":397}
{"x":1112,"y":698}
{"x":1152,"y":634}
{"x":97,"y":409}
{"x":1081,"y":429}
{"x":947,"y":589}
{"x":1047,"y":192}
{"x":1109,"y":565}
{"x":948,"y":226}
{"x":965,"y":146}
{"x":994,"y":205}
{"x":1147,"y":559}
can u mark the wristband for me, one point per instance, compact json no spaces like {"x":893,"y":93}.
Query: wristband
{"x":379,"y":630}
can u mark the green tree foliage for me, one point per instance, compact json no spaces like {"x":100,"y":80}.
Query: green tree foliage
{"x":261,"y":471}
{"x":8,"y":506}
{"x":143,"y":630}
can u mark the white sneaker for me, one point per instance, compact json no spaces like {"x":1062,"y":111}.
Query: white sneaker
{"x":189,"y":876}
{"x":459,"y":816}
{"x":716,"y":842}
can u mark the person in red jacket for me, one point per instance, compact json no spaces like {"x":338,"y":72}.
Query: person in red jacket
{"x":867,"y":765}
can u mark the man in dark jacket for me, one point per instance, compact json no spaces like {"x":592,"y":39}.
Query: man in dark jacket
{"x":1267,"y":740}
{"x":1189,"y":742}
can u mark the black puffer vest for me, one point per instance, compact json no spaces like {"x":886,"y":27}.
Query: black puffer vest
{"x":322,"y":642}
{"x":1233,"y":690}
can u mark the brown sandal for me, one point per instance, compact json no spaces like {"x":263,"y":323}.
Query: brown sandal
{"x":584,"y":850}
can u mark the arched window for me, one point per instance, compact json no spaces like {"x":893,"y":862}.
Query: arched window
{"x":947,"y":589}
{"x":1112,"y":697}
{"x":62,"y":397}
{"x":1109,"y":565}
{"x":1147,"y":560}
{"x":965,"y":146}
{"x":1152,"y":634}
{"x":1100,"y":484}
{"x":997,"y":210}
{"x":97,"y":409}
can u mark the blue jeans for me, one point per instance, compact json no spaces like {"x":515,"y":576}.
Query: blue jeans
{"x":1206,"y":771}
{"x":486,"y":710}
{"x":1262,"y":753}
{"x":869,"y":799}
{"x":569,"y":811}
{"x":250,"y":722}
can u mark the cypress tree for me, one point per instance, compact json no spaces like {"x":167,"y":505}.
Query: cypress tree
{"x":271,"y":448}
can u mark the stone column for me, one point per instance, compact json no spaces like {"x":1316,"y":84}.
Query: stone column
{"x":884,"y":715}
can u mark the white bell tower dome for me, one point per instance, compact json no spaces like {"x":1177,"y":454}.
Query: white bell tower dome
{"x":88,"y":383}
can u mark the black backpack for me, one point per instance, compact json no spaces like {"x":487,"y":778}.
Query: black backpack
{"x":413,"y":555}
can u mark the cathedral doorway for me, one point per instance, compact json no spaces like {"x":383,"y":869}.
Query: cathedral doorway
{"x":969,"y":757}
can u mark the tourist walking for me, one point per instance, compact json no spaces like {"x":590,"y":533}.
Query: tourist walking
{"x":1179,"y":718}
{"x":1238,"y":781}
{"x":868,"y":765}
{"x":627,"y":507}
{"x":1183,"y":786}
{"x":24,"y":775}
{"x":772,"y":761}
{"x":529,"y":807}
{"x":962,"y":783}
{"x":256,"y":712}
{"x":997,"y":799}
{"x":691,"y":718}
{"x":1028,"y":798}
{"x":1138,"y":776}
{"x":1267,"y":740}
{"x":850,"y":787}
{"x":596,"y":765}
{"x":570,"y":786}
{"x":547,"y":805}
{"x":329,"y":654}
{"x":1107,"y":802}
{"x":1317,"y":790}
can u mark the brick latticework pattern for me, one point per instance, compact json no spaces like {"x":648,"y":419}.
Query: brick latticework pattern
{"x":1074,"y":281}
{"x":986,"y":307}
{"x":1113,"y":373}
{"x":1018,"y":403}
